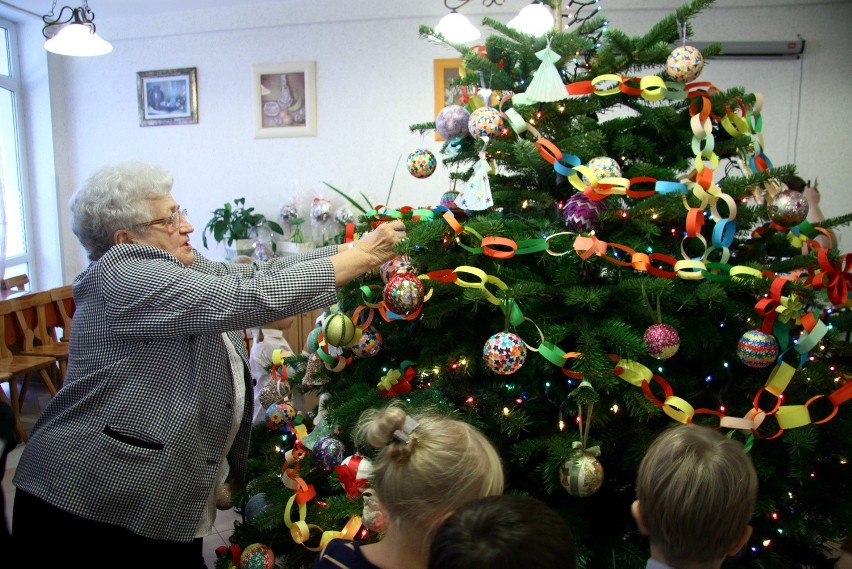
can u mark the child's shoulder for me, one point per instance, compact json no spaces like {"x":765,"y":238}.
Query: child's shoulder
{"x":345,"y":554}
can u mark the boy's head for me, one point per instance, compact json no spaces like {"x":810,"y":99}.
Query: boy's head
{"x":498,"y":532}
{"x":695,"y":491}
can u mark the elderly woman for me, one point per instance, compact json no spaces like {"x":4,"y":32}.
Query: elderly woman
{"x":156,"y":409}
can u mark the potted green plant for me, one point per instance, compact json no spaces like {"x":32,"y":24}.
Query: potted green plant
{"x":237,"y":226}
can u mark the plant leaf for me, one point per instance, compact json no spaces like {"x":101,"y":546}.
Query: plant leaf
{"x":350,"y":200}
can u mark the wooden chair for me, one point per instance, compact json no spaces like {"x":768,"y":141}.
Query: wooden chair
{"x":18,"y":283}
{"x":31,"y":318}
{"x":60,"y":314}
{"x":19,"y":365}
{"x":6,"y":377}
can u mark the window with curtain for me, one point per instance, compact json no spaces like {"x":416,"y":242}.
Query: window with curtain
{"x":14,"y":244}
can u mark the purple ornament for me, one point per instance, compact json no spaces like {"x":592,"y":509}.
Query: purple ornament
{"x":581,"y":213}
{"x":328,"y":452}
{"x":662,"y":341}
{"x":504,"y":353}
{"x":451,"y":122}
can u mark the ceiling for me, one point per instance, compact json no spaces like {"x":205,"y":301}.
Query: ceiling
{"x":123,"y":8}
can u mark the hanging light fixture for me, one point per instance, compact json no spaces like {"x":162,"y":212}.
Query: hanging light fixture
{"x":73,"y":33}
{"x":456,"y":27}
{"x":535,"y":19}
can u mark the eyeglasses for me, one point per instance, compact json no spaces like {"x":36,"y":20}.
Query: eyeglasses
{"x":172,"y":221}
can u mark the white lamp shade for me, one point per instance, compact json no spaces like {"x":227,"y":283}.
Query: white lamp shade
{"x":77,"y":39}
{"x":534,"y":19}
{"x":456,"y":27}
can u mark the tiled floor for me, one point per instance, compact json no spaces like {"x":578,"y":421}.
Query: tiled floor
{"x":37,"y":397}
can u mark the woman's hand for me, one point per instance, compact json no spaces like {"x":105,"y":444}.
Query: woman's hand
{"x":379,"y":243}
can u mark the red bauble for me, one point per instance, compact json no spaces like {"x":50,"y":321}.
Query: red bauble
{"x":404,"y":293}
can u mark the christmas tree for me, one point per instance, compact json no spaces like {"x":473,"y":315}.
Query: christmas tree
{"x":621,"y":253}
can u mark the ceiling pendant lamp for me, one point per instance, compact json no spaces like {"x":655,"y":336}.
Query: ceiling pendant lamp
{"x":457,"y":28}
{"x":535,"y":19}
{"x":73,"y":33}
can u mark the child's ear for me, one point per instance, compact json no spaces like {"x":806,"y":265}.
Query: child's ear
{"x":636,"y":510}
{"x":740,"y":543}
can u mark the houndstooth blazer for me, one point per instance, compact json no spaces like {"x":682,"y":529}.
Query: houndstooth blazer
{"x":136,"y":434}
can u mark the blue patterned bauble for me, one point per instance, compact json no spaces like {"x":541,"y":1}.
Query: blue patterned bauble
{"x":312,"y":341}
{"x":404,"y":293}
{"x":484,"y":121}
{"x":684,"y":64}
{"x":369,"y":344}
{"x":757,"y":349}
{"x":504,"y":353}
{"x":279,"y":416}
{"x":256,"y":506}
{"x":328,"y":452}
{"x":394,"y":266}
{"x":603,"y":167}
{"x":421,"y":163}
{"x":581,"y":213}
{"x":451,"y":122}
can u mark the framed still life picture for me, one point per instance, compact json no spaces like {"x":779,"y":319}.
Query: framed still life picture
{"x":168,"y":96}
{"x":285,"y":101}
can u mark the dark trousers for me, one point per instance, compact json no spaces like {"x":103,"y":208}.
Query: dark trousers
{"x":45,"y":536}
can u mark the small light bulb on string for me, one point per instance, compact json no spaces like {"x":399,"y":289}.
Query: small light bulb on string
{"x":722,"y":408}
{"x":774,"y":516}
{"x":767,"y":542}
{"x":614,"y":408}
{"x":506,"y":411}
{"x":470,"y":400}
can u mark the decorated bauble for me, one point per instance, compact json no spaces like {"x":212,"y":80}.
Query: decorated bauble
{"x":354,"y":473}
{"x":288,"y":213}
{"x":279,"y":416}
{"x":582,"y":474}
{"x":328,"y":452}
{"x":404,"y":293}
{"x":321,"y":209}
{"x":315,"y":372}
{"x":581,"y":213}
{"x":394,"y":266}
{"x":757,"y":349}
{"x":338,"y":329}
{"x":451,"y":122}
{"x":788,"y":208}
{"x":312,"y":341}
{"x":684,"y":63}
{"x":369,"y":344}
{"x":344,"y":215}
{"x":448,"y":200}
{"x":256,"y":506}
{"x":372,"y":517}
{"x":273,"y":393}
{"x":421,"y":163}
{"x":257,"y":556}
{"x":484,"y":121}
{"x":603,"y":167}
{"x":662,"y":341}
{"x":504,"y":353}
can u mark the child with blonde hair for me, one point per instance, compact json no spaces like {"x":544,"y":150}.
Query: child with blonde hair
{"x":695,"y":496}
{"x":429,"y":465}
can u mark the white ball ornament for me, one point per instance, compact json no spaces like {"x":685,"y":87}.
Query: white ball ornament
{"x":684,"y":64}
{"x":451,"y":122}
{"x":484,"y":121}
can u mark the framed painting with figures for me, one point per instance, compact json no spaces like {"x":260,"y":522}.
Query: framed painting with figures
{"x":167,"y":96}
{"x":284,"y":97}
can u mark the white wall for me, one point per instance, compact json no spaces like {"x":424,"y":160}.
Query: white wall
{"x":374,"y":79}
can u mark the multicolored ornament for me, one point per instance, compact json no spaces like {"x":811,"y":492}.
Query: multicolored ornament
{"x":757,"y":349}
{"x":421,"y":163}
{"x":344,"y":215}
{"x":603,"y":167}
{"x":369,"y":344}
{"x":504,"y":353}
{"x":273,"y":393}
{"x":581,"y":474}
{"x":404,"y":293}
{"x":451,"y":122}
{"x":662,"y":341}
{"x":484,"y":121}
{"x":328,"y":452}
{"x":257,"y":556}
{"x":338,"y":329}
{"x":448,"y":200}
{"x":684,"y":64}
{"x":394,"y":266}
{"x":279,"y":416}
{"x":581,"y":213}
{"x":788,"y":208}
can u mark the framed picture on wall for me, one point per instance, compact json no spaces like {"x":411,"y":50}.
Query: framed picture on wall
{"x":285,"y":100}
{"x":445,"y":93}
{"x":167,"y":96}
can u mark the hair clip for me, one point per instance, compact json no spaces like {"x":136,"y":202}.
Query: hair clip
{"x":403,"y":435}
